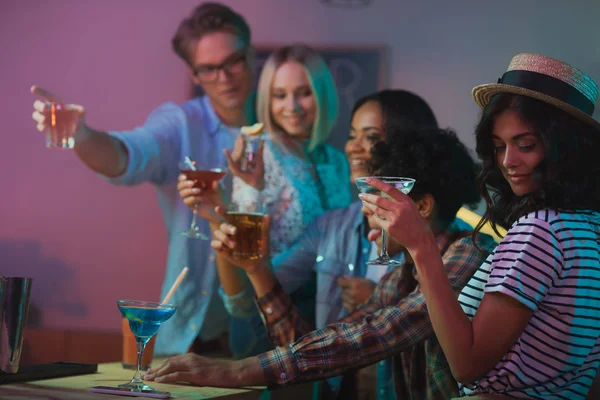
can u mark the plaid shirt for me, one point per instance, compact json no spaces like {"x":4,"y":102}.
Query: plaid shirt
{"x":394,"y":321}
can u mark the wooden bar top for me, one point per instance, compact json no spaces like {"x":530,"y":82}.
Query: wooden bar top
{"x":113,"y":374}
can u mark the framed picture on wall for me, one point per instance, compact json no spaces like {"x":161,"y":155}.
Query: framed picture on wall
{"x":357,"y":71}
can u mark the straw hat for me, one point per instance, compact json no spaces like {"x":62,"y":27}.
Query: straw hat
{"x":548,"y":80}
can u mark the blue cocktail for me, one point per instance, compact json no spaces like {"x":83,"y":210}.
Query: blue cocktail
{"x":144,"y":320}
{"x":404,"y":185}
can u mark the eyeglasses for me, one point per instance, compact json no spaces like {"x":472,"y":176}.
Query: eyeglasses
{"x":234,"y":64}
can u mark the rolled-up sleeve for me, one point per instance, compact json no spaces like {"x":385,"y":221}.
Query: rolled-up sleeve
{"x":292,"y":268}
{"x":153,"y":149}
{"x":240,"y":305}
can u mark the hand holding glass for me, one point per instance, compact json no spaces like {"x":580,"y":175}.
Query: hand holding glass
{"x":404,"y":185}
{"x":204,"y":177}
{"x":249,"y":221}
{"x":58,"y":120}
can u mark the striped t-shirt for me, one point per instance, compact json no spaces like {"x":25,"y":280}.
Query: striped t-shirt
{"x":550,"y":262}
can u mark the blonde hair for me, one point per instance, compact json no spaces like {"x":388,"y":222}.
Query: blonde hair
{"x":321,"y":82}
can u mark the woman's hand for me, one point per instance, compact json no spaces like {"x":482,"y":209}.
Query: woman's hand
{"x":399,"y":216}
{"x":205,"y":199}
{"x":224,"y":241}
{"x":253,"y":177}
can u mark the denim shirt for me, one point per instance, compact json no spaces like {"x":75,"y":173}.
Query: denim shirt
{"x":170,"y":133}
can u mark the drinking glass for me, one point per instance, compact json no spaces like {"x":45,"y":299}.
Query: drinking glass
{"x":248,"y":218}
{"x":203,"y":176}
{"x":404,"y":185}
{"x":61,"y":122}
{"x":144,"y":320}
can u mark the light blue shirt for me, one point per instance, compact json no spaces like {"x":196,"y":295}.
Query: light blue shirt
{"x":170,"y":133}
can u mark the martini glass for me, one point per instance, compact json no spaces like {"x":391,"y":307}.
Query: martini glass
{"x":144,"y":320}
{"x":404,"y":185}
{"x":203,"y":177}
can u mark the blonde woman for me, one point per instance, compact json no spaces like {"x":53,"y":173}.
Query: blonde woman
{"x":297,"y":176}
{"x":301,"y":176}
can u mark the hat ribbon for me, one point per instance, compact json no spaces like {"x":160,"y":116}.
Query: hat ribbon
{"x":549,"y":86}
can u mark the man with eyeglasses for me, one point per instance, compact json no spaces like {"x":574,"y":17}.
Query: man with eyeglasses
{"x":214,"y":41}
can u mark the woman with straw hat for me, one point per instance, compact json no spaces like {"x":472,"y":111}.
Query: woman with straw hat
{"x":527,"y":325}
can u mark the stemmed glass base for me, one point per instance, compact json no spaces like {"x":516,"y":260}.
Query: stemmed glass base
{"x":135,"y":386}
{"x":384,"y":260}
{"x":194,"y":233}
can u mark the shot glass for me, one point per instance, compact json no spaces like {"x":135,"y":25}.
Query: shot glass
{"x":61,"y":122}
{"x":248,"y":162}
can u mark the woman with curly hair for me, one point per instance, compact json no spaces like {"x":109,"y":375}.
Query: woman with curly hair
{"x":527,"y":324}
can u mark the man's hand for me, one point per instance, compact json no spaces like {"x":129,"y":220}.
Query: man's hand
{"x":39,"y":107}
{"x":203,"y":371}
{"x":355,"y":291}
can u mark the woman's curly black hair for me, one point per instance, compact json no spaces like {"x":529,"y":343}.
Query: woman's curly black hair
{"x":401,"y":110}
{"x":569,"y":173}
{"x":438,"y":161}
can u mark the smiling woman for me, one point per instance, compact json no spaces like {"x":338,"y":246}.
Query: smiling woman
{"x":378,"y":114}
{"x":293,"y":105}
{"x":518,"y":153}
{"x":296,"y":92}
{"x":297,"y":175}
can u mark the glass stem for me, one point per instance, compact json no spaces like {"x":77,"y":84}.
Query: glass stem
{"x":195,"y":213}
{"x":141,"y":345}
{"x":383,"y":252}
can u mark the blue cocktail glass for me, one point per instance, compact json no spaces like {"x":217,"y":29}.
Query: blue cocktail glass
{"x":144,"y":320}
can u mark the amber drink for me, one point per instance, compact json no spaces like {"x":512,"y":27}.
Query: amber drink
{"x":204,"y":178}
{"x":61,"y":124}
{"x":249,"y":220}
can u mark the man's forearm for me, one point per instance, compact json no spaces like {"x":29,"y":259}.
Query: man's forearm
{"x":101,"y":152}
{"x":248,"y":372}
{"x":263,"y":279}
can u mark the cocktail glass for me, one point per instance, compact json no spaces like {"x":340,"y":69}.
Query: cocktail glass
{"x":204,"y":178}
{"x":404,"y":185}
{"x":144,"y":320}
